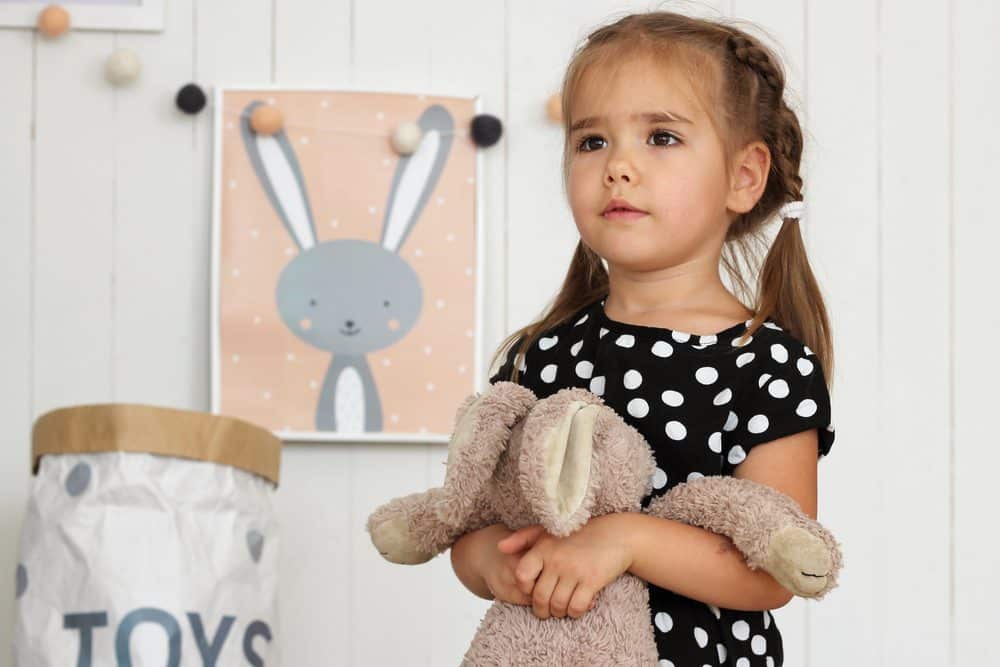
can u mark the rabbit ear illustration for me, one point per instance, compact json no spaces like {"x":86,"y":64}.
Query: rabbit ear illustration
{"x":278,"y":169}
{"x":416,"y":176}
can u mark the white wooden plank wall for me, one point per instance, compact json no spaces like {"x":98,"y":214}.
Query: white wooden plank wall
{"x":105,"y":266}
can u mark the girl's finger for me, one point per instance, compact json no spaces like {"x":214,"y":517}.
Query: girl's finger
{"x":527,"y":572}
{"x":521,"y":539}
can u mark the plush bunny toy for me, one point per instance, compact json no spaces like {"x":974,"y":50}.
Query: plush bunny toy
{"x":559,"y":461}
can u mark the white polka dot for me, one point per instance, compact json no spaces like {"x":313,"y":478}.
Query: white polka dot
{"x":549,"y":373}
{"x":744,"y":359}
{"x":680,"y":336}
{"x":779,"y":353}
{"x":632,"y":379}
{"x":694,"y":475}
{"x":637,"y":407}
{"x":731,"y":421}
{"x":715,"y":611}
{"x":581,"y":320}
{"x":721,"y":650}
{"x":758,"y":424}
{"x":584,"y":369}
{"x":768,"y":661}
{"x":546,"y":343}
{"x":758,"y":645}
{"x":662,"y":348}
{"x":736,"y":455}
{"x":723,"y":397}
{"x":600,"y":334}
{"x":767,"y":619}
{"x":805,"y":348}
{"x":707,"y":340}
{"x":659,"y":479}
{"x":576,"y":348}
{"x":741,"y":630}
{"x":743,"y":662}
{"x":675,"y":430}
{"x":778,"y":388}
{"x":762,"y":380}
{"x":666,"y":663}
{"x":597,"y":385}
{"x":700,"y":636}
{"x":715,"y":442}
{"x":805,"y":366}
{"x":807,"y":408}
{"x":663,"y":621}
{"x":706,"y":375}
{"x":672,"y":398}
{"x":736,"y":341}
{"x":625,"y":340}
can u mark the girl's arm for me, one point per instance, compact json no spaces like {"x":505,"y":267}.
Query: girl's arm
{"x":705,"y":566}
{"x":466,"y":557}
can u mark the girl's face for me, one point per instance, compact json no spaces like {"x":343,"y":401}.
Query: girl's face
{"x":671,"y":168}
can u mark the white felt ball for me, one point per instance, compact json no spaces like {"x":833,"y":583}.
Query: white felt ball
{"x":406,"y":137}
{"x":122,"y":67}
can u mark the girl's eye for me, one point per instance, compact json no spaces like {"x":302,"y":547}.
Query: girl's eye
{"x":664,"y":133}
{"x":582,"y":145}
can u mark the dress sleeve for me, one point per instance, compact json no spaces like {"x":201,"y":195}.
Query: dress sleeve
{"x":784,"y":392}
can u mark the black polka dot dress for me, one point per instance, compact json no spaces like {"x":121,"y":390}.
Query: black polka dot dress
{"x":702,"y":402}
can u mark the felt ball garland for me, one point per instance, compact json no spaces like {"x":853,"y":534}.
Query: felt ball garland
{"x":122,"y":67}
{"x":53,"y":21}
{"x":190,"y":98}
{"x":486,"y":130}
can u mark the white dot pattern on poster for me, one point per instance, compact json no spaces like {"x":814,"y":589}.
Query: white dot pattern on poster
{"x":703,"y":401}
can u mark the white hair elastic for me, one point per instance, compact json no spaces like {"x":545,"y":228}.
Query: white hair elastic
{"x":793,"y":209}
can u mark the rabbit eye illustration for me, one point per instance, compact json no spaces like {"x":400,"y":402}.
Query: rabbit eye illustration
{"x":352,"y":277}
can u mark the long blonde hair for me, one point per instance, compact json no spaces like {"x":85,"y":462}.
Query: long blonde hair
{"x":744,"y":81}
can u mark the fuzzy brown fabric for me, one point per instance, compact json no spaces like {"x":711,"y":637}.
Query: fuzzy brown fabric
{"x":559,"y":461}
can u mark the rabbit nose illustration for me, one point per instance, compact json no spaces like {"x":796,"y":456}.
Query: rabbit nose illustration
{"x":351,"y":331}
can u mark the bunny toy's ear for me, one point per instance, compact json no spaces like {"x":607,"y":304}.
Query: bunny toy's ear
{"x":278,"y":170}
{"x":559,"y":476}
{"x":416,"y":176}
{"x":482,"y":430}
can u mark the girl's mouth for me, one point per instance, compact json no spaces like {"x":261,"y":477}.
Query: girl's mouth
{"x":624,"y":214}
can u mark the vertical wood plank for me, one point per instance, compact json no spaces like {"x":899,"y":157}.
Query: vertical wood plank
{"x":160,"y":344}
{"x":16,"y":177}
{"x":74,"y":208}
{"x":914,"y":405}
{"x":844,"y":233}
{"x":976,"y":156}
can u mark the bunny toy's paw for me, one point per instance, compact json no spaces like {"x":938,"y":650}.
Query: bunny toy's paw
{"x":799,"y":561}
{"x":392,"y":539}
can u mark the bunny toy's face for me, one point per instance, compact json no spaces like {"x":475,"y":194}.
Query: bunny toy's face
{"x":349,"y":297}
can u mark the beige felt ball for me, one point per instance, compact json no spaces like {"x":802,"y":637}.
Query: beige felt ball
{"x":122,"y":67}
{"x":53,"y":21}
{"x":553,"y":108}
{"x":266,"y":119}
{"x":406,"y":138}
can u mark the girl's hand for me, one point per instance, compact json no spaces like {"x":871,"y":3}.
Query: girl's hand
{"x":564,"y":575}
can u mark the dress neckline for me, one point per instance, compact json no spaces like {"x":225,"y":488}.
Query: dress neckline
{"x":676,"y":335}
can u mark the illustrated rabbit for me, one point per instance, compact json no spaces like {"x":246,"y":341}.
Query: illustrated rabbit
{"x":559,"y":461}
{"x":337,"y":295}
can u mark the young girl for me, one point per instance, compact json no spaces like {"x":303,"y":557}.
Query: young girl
{"x":679,"y":149}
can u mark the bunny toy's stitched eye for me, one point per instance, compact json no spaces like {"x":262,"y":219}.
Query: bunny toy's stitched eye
{"x":385,"y":303}
{"x":312,"y":302}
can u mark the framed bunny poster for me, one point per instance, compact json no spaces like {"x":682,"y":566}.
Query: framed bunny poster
{"x":346,"y":289}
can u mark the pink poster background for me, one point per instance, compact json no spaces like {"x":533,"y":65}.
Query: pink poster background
{"x":269,"y":376}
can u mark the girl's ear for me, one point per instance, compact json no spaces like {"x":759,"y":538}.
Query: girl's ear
{"x":748,"y":178}
{"x":482,"y":432}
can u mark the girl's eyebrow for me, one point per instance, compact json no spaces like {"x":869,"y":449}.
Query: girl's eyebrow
{"x":648,"y":116}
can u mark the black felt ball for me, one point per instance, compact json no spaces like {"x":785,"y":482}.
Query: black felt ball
{"x":191,"y":98}
{"x":486,"y":129}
